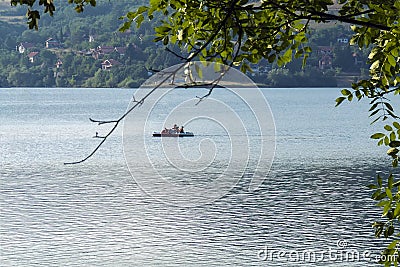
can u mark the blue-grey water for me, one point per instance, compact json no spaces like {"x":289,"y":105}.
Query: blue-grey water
{"x":95,"y":214}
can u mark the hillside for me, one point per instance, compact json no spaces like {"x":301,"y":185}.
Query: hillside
{"x":87,"y":50}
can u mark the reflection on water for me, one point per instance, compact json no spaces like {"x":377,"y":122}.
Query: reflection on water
{"x":60,"y":216}
{"x":96,"y":215}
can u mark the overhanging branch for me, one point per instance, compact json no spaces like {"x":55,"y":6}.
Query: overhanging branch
{"x":347,"y":19}
{"x":167,"y":78}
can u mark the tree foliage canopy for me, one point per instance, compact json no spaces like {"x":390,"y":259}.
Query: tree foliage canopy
{"x":238,"y":32}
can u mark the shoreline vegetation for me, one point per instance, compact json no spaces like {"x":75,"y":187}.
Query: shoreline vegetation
{"x":87,"y":51}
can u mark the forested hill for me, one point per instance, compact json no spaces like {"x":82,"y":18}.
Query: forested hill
{"x":87,"y":50}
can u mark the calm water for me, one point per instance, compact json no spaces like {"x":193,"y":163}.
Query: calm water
{"x":95,"y":214}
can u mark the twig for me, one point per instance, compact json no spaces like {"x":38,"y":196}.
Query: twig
{"x":175,"y":54}
{"x":116,"y":122}
{"x":101,"y":122}
{"x":213,"y":85}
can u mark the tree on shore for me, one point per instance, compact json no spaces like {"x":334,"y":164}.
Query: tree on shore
{"x":242,"y":32}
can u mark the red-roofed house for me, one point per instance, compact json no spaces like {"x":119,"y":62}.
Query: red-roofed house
{"x":105,"y":49}
{"x":22,"y":47}
{"x":109,"y":63}
{"x":32,"y":55}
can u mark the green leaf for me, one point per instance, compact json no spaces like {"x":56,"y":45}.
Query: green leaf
{"x":350,"y":97}
{"x":379,"y":180}
{"x":165,"y":40}
{"x":374,"y":65}
{"x":377,"y":135}
{"x":358,"y":94}
{"x":396,"y":125}
{"x":392,"y":151}
{"x":280,"y":61}
{"x":389,"y":193}
{"x":372,"y":186}
{"x":391,"y":60}
{"x":307,"y":49}
{"x":245,"y":67}
{"x":381,"y":196}
{"x":373,"y":106}
{"x":386,"y":140}
{"x":396,"y":212}
{"x":378,"y":231}
{"x":387,"y":207}
{"x":139,"y":20}
{"x":388,"y":128}
{"x":339,"y":100}
{"x":388,"y":106}
{"x":345,"y":92}
{"x":392,"y":137}
{"x":394,"y":143}
{"x":390,"y":230}
{"x":287,"y":57}
{"x":162,"y":29}
{"x":376,"y":194}
{"x":373,"y":113}
{"x":390,"y":182}
{"x":382,"y":203}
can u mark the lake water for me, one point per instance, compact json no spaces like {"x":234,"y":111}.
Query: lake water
{"x":313,"y":197}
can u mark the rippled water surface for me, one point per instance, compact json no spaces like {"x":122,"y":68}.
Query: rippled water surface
{"x":96,"y":214}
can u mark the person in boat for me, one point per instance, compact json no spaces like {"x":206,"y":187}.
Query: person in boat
{"x":181,"y":130}
{"x":165,"y":131}
{"x":175,"y":129}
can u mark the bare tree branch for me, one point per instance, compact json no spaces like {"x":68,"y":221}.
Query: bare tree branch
{"x":168,"y":77}
{"x":213,"y":85}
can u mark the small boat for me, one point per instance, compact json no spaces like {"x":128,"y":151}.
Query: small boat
{"x":184,"y":134}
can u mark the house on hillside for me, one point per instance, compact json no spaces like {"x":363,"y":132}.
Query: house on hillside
{"x":59,"y":64}
{"x":93,"y":53}
{"x":100,"y":51}
{"x":120,"y":50}
{"x":23,"y":47}
{"x":84,"y":52}
{"x":109,"y":63}
{"x":32,"y":55}
{"x":325,"y":62}
{"x":91,"y":38}
{"x":105,"y":50}
{"x":52,"y":43}
{"x":325,"y":57}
